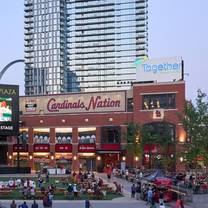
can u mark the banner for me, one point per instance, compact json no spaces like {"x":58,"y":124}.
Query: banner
{"x":167,"y":69}
{"x":74,"y":103}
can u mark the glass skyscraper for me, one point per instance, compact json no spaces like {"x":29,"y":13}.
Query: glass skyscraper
{"x":83,"y":45}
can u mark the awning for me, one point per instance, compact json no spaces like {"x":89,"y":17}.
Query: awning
{"x":109,"y":151}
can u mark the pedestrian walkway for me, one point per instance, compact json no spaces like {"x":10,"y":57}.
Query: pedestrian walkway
{"x":127,"y":193}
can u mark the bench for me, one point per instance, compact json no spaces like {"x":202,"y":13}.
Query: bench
{"x":5,"y":192}
{"x":60,"y":191}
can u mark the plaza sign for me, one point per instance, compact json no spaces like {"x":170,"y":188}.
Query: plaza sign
{"x":9,"y":110}
{"x":74,"y":103}
{"x":160,"y":70}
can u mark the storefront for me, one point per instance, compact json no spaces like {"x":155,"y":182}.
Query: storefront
{"x":63,"y":156}
{"x":88,"y":130}
{"x":87,"y":156}
{"x":23,"y":155}
{"x":41,"y":156}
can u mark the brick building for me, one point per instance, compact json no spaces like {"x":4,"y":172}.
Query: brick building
{"x":87,"y":130}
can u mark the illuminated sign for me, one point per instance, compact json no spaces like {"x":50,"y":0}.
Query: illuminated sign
{"x":75,"y":103}
{"x":41,"y":148}
{"x":160,"y":70}
{"x":63,"y":147}
{"x":158,"y":114}
{"x":9,"y":110}
{"x":86,"y":148}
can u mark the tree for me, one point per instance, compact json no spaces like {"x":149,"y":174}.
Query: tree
{"x":138,"y":136}
{"x":162,"y":135}
{"x":133,"y":138}
{"x":195,"y":123}
{"x":135,"y":134}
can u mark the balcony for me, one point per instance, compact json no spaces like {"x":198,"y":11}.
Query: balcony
{"x":29,"y":26}
{"x":29,"y":50}
{"x":28,"y":3}
{"x":28,"y":9}
{"x":28,"y":14}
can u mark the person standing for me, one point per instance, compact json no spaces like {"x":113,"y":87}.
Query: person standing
{"x":161,"y":196}
{"x":24,"y":205}
{"x":133,"y":190}
{"x":47,"y":176}
{"x":13,"y":204}
{"x":179,"y":203}
{"x":149,"y":196}
{"x":153,"y":205}
{"x":88,"y":204}
{"x":46,"y":202}
{"x":138,"y":190}
{"x":34,"y":205}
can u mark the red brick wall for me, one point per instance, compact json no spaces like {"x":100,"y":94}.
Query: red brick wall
{"x":118,"y":118}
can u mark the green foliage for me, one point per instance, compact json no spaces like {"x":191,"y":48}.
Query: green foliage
{"x":133,"y":138}
{"x":159,"y":133}
{"x":195,"y":123}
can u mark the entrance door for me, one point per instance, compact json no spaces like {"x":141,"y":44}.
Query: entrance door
{"x":90,"y":163}
{"x":3,"y":155}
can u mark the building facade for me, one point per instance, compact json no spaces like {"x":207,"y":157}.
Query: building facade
{"x":73,"y":45}
{"x":88,"y":130}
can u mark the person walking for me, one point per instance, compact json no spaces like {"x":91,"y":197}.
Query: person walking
{"x":13,"y":204}
{"x":34,"y":205}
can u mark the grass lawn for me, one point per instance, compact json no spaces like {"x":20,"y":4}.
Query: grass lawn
{"x":17,"y":194}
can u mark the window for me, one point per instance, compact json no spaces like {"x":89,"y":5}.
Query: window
{"x":110,"y":135}
{"x":156,"y":101}
{"x":130,"y":104}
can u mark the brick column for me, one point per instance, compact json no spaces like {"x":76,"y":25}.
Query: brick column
{"x":98,"y":146}
{"x":98,"y":138}
{"x":30,"y":148}
{"x":52,"y":142}
{"x":75,"y":163}
{"x":123,"y":135}
{"x":10,"y":159}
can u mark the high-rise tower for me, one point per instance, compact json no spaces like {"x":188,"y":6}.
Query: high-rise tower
{"x":45,"y":46}
{"x":83,"y":45}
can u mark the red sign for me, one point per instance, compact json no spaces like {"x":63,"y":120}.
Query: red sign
{"x":41,"y":160}
{"x":86,"y":148}
{"x":41,"y":148}
{"x":150,"y":148}
{"x":63,"y":147}
{"x":110,"y":147}
{"x":20,"y":147}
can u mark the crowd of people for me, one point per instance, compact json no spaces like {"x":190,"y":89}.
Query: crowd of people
{"x":196,"y":182}
{"x":34,"y":204}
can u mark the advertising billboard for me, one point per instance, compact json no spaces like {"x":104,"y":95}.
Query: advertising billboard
{"x":75,"y":103}
{"x":9,"y":110}
{"x":167,"y":69}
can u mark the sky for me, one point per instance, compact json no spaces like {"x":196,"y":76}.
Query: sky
{"x":176,"y":28}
